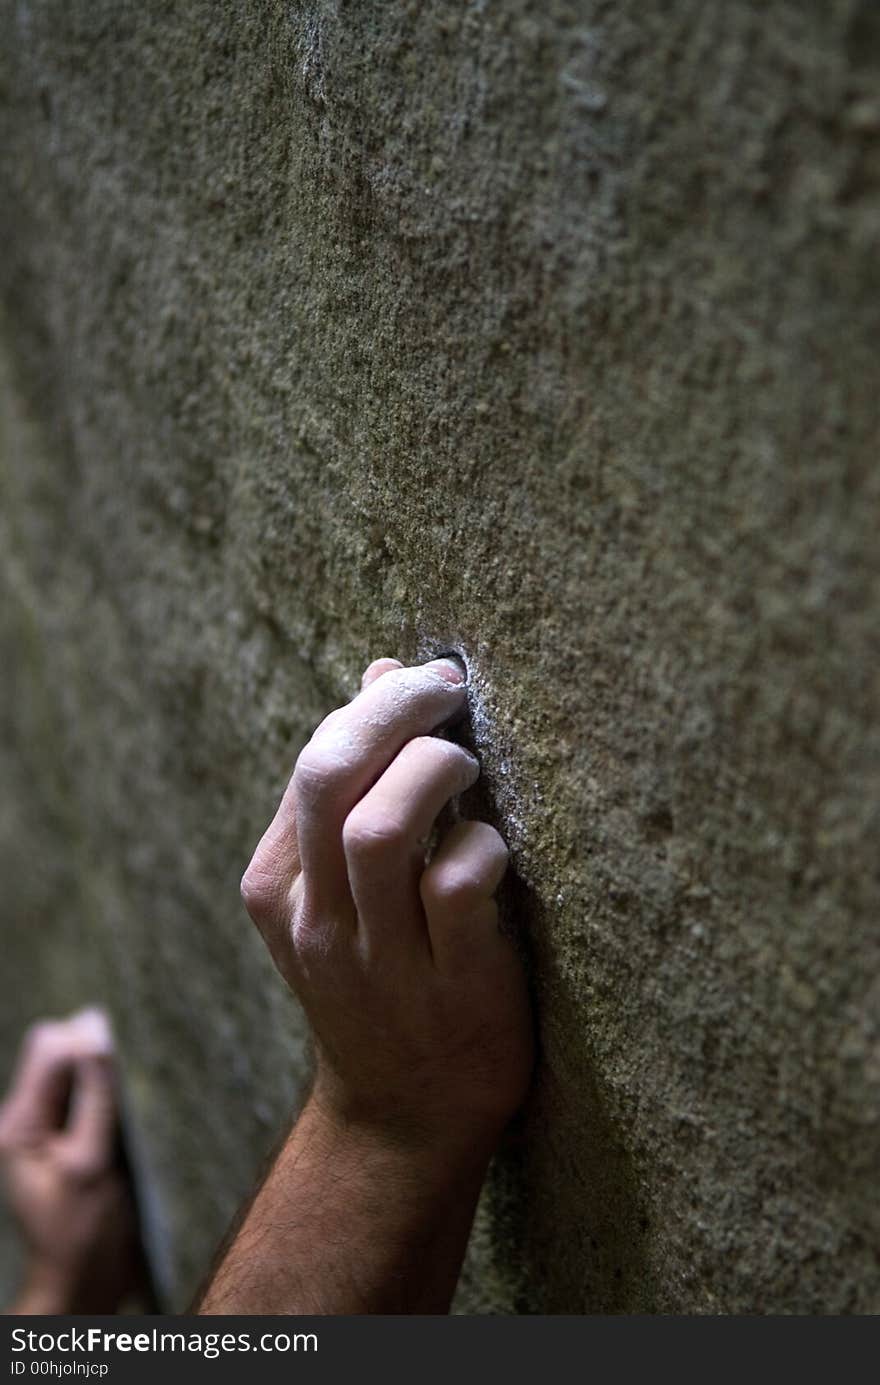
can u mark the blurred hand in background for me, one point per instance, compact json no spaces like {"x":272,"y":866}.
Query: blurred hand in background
{"x":60,"y":1164}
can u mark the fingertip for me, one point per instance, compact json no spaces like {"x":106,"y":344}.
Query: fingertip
{"x":94,"y":1031}
{"x":472,"y":766}
{"x":450,"y":668}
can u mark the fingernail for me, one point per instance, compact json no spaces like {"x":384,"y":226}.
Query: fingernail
{"x":451,"y":668}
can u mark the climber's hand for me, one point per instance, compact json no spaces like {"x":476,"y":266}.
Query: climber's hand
{"x":57,"y":1153}
{"x":418,"y":1002}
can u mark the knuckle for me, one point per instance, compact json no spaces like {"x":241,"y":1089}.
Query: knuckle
{"x":452,"y":883}
{"x":373,"y":832}
{"x":260,"y":891}
{"x":329,"y":722}
{"x":318,"y":770}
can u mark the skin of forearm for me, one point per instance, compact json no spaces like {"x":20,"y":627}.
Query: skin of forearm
{"x":351,"y":1220}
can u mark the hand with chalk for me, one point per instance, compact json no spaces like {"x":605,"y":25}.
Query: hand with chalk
{"x":58,"y":1157}
{"x":417,"y":1002}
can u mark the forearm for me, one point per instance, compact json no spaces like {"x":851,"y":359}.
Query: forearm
{"x":349,"y":1221}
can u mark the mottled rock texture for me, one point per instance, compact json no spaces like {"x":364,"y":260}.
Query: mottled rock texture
{"x":547,"y":333}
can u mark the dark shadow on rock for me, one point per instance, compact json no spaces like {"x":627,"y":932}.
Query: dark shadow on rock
{"x":567,"y":1229}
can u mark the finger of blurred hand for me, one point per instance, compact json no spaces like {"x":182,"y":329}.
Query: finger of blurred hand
{"x":348,"y":752}
{"x":87,"y":1144}
{"x":37,"y":1099}
{"x":385,"y":836}
{"x":35,"y":1103}
{"x":90,"y":1033}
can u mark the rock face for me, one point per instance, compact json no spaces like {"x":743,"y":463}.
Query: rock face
{"x":544,"y":334}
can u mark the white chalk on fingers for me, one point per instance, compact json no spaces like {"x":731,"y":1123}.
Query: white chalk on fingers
{"x":93,"y":1029}
{"x":450,"y":668}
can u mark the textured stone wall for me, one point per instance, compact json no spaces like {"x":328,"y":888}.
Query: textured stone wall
{"x":546,"y":333}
